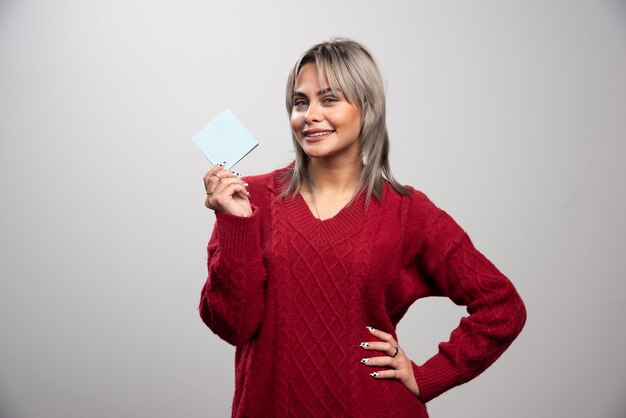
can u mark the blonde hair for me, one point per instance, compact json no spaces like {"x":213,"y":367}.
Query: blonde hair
{"x":351,"y":68}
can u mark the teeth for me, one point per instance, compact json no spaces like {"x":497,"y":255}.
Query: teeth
{"x":321,"y":133}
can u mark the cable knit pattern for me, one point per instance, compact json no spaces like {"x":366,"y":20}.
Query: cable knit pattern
{"x":294,"y":295}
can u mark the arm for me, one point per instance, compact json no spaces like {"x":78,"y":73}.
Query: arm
{"x":496,"y":312}
{"x":233,"y":296}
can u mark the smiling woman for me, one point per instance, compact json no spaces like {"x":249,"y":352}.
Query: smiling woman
{"x":312,"y":266}
{"x":324,"y":122}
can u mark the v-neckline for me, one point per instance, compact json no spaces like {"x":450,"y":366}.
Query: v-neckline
{"x":314,"y":212}
{"x":348,"y":220}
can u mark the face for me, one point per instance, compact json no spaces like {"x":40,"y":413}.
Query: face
{"x":325,"y":124}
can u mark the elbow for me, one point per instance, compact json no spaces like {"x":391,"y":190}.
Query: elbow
{"x":517,"y":314}
{"x":522,"y":314}
{"x":510,"y":315}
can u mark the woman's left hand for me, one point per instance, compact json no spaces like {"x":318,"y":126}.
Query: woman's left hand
{"x":399,"y":365}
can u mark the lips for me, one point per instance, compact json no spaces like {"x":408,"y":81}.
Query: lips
{"x":315,"y":135}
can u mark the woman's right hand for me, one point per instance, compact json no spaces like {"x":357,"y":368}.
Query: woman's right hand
{"x":226,"y":192}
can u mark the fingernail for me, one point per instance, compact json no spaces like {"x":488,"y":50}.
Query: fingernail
{"x":370,"y":329}
{"x":237,"y":174}
{"x":222,"y":164}
{"x":245,"y":183}
{"x":365,"y":360}
{"x":374,"y":374}
{"x":364,"y":345}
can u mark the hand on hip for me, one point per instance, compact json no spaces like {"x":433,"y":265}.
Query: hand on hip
{"x":396,"y":364}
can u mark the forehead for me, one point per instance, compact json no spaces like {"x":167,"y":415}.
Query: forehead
{"x":309,"y":77}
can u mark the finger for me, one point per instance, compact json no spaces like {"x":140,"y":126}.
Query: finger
{"x":385,"y":374}
{"x":234,"y":187}
{"x":385,"y":336}
{"x":379,"y":361}
{"x":223,"y":185}
{"x":226,"y":173}
{"x":209,"y":174}
{"x":215,"y":177}
{"x":214,"y":169}
{"x":379,"y":346}
{"x":221,"y":174}
{"x":224,"y":193}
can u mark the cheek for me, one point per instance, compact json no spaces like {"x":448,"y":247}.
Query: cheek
{"x":296,"y":121}
{"x":355,"y":123}
{"x":351,"y":119}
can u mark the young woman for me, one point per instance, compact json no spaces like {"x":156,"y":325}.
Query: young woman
{"x":312,"y":266}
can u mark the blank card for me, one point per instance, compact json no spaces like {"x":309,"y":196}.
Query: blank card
{"x":225,"y":139}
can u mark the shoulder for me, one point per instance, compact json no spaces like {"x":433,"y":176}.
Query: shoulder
{"x":415,"y":201}
{"x":267,"y":180}
{"x":421,"y":203}
{"x":261,"y":186}
{"x":418,"y":214}
{"x":426,"y":226}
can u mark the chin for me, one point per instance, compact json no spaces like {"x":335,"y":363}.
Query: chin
{"x":312,"y":152}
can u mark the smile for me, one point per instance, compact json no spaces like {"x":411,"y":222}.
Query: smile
{"x":321,"y":133}
{"x":317,"y":136}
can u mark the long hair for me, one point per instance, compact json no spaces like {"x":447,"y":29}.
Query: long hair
{"x":351,"y":68}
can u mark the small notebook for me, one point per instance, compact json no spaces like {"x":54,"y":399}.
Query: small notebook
{"x":225,"y":139}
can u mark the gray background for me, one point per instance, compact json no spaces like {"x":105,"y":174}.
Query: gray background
{"x":511,"y":115}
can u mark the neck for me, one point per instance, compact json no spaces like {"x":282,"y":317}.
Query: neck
{"x":334,"y":177}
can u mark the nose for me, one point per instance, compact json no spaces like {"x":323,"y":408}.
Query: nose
{"x":313,"y":114}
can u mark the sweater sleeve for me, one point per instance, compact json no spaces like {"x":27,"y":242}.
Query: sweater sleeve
{"x":233,"y":297}
{"x":496,"y":311}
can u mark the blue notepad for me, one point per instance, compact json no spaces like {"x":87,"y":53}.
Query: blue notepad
{"x":225,"y":139}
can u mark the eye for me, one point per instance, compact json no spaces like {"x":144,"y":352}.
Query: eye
{"x":330,"y":99}
{"x":299,"y":103}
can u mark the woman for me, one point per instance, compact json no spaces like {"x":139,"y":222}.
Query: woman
{"x":311,"y":267}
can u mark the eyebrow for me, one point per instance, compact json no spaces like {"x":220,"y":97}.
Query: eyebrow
{"x":319,"y":93}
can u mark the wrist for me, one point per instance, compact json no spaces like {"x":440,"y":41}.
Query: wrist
{"x":415,"y":390}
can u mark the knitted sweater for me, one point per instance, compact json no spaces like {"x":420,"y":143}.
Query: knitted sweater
{"x":294,"y":295}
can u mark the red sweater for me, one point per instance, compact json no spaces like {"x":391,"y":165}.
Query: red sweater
{"x":294,"y":295}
